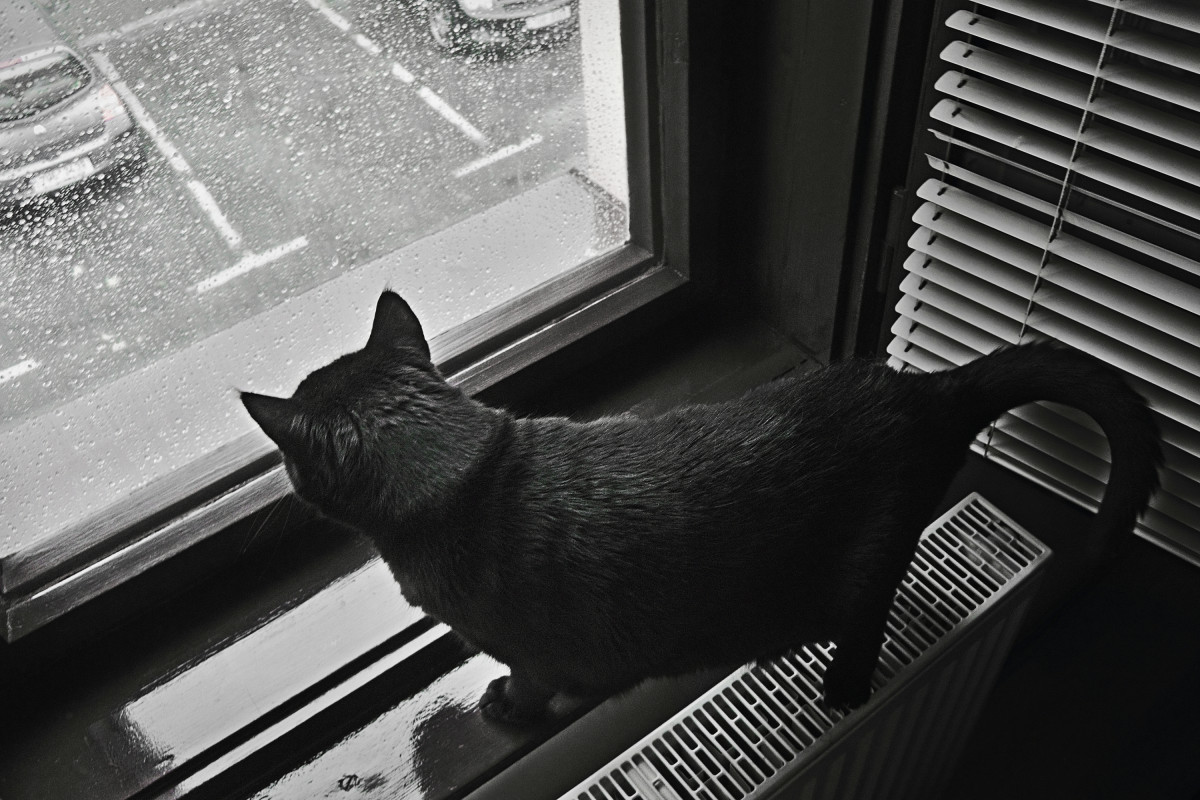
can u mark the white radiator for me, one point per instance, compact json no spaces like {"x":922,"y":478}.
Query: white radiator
{"x":762,"y":733}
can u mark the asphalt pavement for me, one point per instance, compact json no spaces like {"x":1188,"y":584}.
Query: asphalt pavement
{"x":286,"y":141}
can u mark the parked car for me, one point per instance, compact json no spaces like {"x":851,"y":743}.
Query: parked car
{"x":457,"y":25}
{"x":60,"y":121}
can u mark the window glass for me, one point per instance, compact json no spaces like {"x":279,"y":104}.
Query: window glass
{"x":202,"y":196}
{"x":279,"y":144}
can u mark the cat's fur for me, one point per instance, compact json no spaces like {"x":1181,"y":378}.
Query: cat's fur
{"x":589,"y":556}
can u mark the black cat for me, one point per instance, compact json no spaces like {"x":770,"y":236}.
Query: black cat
{"x":589,"y":556}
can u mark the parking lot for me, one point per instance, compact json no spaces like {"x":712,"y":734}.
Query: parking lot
{"x":286,"y":141}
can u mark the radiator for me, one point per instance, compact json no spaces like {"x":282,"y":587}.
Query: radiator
{"x":762,"y":733}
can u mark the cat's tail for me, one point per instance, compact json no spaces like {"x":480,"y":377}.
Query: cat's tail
{"x":1011,"y":376}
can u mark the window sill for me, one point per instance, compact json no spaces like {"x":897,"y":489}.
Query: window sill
{"x":272,"y":666}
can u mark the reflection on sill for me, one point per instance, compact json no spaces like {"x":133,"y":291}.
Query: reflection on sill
{"x":432,"y":745}
{"x":250,"y":678}
{"x":196,"y":675}
{"x":427,"y":746}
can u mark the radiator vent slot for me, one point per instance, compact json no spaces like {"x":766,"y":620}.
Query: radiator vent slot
{"x":762,"y":732}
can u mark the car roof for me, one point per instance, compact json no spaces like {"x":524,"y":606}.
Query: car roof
{"x":23,"y":27}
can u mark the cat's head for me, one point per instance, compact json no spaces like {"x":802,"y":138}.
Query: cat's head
{"x":373,"y":432}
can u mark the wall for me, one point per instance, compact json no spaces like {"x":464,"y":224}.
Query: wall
{"x":777,"y":99}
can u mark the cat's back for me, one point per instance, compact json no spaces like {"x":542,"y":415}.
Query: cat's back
{"x":790,"y":435}
{"x":678,"y":520}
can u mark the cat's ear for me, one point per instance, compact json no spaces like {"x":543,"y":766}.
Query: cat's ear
{"x":277,"y":417}
{"x":396,"y":325}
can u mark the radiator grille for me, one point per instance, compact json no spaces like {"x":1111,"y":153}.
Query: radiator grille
{"x":763,"y":730}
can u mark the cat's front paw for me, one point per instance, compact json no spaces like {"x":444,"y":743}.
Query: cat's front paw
{"x":502,"y":704}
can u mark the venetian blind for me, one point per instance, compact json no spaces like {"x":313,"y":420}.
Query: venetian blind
{"x":1062,"y":201}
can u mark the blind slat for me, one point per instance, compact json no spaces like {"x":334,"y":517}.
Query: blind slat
{"x":1171,"y":257}
{"x":1066,"y":123}
{"x":1060,"y":465}
{"x":1072,"y":92}
{"x":955,"y":144}
{"x":1182,"y":439}
{"x":974,"y":247}
{"x":951,"y":351}
{"x":1078,"y":55}
{"x":1094,"y":26}
{"x":1164,"y":375}
{"x":963,"y":342}
{"x":1057,"y":152}
{"x":910,"y":354}
{"x":1080,"y":430}
{"x":1174,"y":536}
{"x":1083,"y":22}
{"x":1067,"y":247}
{"x":1168,"y":12}
{"x":987,"y":307}
{"x":1179,"y":492}
{"x":958,"y":342}
{"x":945,"y":283}
{"x":986,"y":300}
{"x":978,"y":286}
{"x":1088,"y":474}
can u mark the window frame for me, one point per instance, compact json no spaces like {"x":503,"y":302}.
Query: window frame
{"x":101,"y":550}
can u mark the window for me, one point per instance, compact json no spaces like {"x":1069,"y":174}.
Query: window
{"x":224,"y":653}
{"x":220,"y":204}
{"x":1060,"y":199}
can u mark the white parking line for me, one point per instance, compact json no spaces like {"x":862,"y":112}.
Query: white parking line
{"x":337,"y":19}
{"x":367,"y":44}
{"x":200,"y":192}
{"x":401,"y":73}
{"x":172,"y":14}
{"x":203,"y":197}
{"x":219,"y":220}
{"x":250,"y":261}
{"x":177,"y":161}
{"x":430,"y":97}
{"x":453,"y":117}
{"x":17,"y":370}
{"x":502,"y":153}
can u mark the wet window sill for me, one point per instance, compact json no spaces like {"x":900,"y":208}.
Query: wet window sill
{"x":302,"y":666}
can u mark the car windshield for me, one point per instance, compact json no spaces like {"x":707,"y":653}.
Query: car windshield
{"x":28,"y":87}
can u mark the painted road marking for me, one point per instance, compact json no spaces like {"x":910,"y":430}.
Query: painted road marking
{"x":250,"y":261}
{"x":17,"y":370}
{"x":401,"y":73}
{"x":453,"y":117}
{"x":337,"y":19}
{"x":199,"y":191}
{"x":206,"y":201}
{"x":173,"y":14}
{"x":502,"y":153}
{"x":367,"y":44}
{"x":173,"y":156}
{"x":430,"y":97}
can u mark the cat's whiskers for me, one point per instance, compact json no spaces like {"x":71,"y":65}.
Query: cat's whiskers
{"x":262,"y":523}
{"x":283,"y":529}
